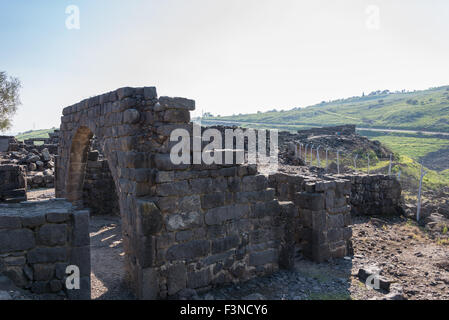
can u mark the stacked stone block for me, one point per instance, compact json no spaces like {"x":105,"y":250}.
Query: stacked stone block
{"x":38,"y":241}
{"x":99,"y":195}
{"x":187,"y":226}
{"x":215,"y":227}
{"x":322,"y":214}
{"x":13,"y":184}
{"x":375,"y":194}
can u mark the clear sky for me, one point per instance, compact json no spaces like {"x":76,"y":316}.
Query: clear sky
{"x":231,"y":56}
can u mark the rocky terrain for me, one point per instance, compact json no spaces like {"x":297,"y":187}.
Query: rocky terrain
{"x":410,"y":266}
{"x":38,"y":160}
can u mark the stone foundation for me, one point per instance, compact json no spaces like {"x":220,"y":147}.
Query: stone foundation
{"x":184,"y":226}
{"x":38,"y":241}
{"x":322,"y":214}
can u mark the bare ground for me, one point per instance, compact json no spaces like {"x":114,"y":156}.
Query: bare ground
{"x":405,"y":253}
{"x":108,"y":275}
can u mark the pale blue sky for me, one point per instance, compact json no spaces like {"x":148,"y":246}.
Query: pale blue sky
{"x":231,"y":56}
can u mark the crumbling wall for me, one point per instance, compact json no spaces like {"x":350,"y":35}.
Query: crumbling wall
{"x":38,"y":241}
{"x":13,"y":184}
{"x":375,"y":194}
{"x":322,"y":218}
{"x":216,"y":226}
{"x":184,"y":226}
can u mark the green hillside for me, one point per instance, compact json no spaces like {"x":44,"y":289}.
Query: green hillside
{"x":34,"y":134}
{"x":426,"y":110}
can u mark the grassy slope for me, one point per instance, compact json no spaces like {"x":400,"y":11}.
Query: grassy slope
{"x":431,"y":112}
{"x":34,"y":134}
{"x":411,"y":145}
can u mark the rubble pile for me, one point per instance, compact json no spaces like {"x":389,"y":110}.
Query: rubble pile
{"x":38,"y":161}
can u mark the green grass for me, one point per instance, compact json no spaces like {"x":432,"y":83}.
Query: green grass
{"x":34,"y":134}
{"x":411,"y":145}
{"x":426,"y":110}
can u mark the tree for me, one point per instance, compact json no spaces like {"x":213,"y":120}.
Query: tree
{"x":9,"y":99}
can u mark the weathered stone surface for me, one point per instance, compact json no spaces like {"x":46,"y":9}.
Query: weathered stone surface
{"x":80,"y":256}
{"x":179,"y":103}
{"x":264,"y":257}
{"x":177,"y":278}
{"x":32,"y":221}
{"x":81,"y":228}
{"x":9,"y":222}
{"x":52,"y":235}
{"x":43,"y":272}
{"x":58,"y":215}
{"x":183,"y":220}
{"x":16,"y":240}
{"x":47,"y":255}
{"x":221,"y":214}
{"x":224,"y":244}
{"x":199,"y":279}
{"x":189,"y":250}
{"x":151,"y":217}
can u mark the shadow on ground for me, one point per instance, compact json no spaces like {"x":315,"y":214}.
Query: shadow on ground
{"x":108,"y":274}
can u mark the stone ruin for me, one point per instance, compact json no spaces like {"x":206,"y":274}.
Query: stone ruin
{"x":13,"y":183}
{"x":37,"y":161}
{"x":37,"y":243}
{"x":185,"y":227}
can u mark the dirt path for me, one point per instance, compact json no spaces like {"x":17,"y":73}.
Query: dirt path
{"x":107,"y":259}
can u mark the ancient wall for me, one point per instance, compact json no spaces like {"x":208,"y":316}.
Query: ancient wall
{"x":5,"y":143}
{"x":38,"y":241}
{"x":184,"y":226}
{"x":375,"y":194}
{"x":322,"y":214}
{"x":99,"y":194}
{"x":219,"y":226}
{"x":13,"y":184}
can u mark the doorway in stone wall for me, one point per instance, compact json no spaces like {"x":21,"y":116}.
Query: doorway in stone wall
{"x":108,"y":277}
{"x":91,"y":185}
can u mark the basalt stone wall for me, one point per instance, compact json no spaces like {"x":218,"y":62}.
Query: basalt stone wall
{"x":38,"y":241}
{"x":5,"y":143}
{"x":99,"y":194}
{"x":13,"y":183}
{"x":375,"y":194}
{"x":322,"y":215}
{"x":187,"y":226}
{"x":214,"y":227}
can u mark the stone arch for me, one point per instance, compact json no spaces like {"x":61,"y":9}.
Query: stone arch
{"x":120,"y":120}
{"x":77,"y":164}
{"x":187,"y":226}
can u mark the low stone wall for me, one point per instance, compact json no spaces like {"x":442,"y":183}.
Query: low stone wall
{"x":322,"y":219}
{"x":5,"y":143}
{"x":211,"y":227}
{"x":375,"y":194}
{"x":13,"y":183}
{"x":38,"y":241}
{"x":99,"y":194}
